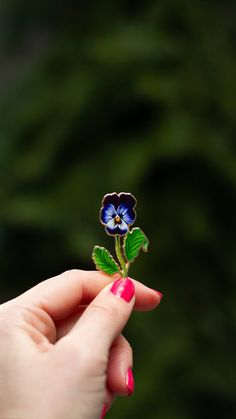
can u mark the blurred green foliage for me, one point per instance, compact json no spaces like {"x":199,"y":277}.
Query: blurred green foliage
{"x":106,"y":96}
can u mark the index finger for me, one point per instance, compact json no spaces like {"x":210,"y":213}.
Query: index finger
{"x":60,"y":295}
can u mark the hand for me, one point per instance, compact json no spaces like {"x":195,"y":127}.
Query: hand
{"x":62,"y":355}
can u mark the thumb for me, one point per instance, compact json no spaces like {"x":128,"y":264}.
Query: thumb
{"x":104,"y":318}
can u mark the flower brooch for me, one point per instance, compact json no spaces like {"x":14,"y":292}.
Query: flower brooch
{"x":117,"y":215}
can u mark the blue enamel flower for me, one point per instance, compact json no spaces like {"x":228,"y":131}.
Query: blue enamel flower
{"x":117,"y":213}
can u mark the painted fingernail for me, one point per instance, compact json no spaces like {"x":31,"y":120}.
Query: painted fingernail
{"x":104,"y":411}
{"x":130,"y":381}
{"x":160,"y":294}
{"x":123,"y":288}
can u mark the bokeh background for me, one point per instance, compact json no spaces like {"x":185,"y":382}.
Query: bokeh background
{"x":103,"y":96}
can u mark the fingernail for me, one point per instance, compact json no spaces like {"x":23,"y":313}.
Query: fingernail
{"x":130,"y":381}
{"x":123,"y":288}
{"x":160,"y":294}
{"x":104,"y":411}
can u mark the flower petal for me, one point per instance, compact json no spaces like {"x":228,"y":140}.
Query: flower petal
{"x":108,"y":213}
{"x":123,"y":228}
{"x":127,"y":199}
{"x":111,"y":198}
{"x":126,"y":213}
{"x":112,"y":228}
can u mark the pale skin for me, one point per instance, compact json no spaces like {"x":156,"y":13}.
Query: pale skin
{"x":62,"y":352}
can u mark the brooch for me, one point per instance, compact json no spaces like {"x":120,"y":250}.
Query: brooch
{"x":117,"y":215}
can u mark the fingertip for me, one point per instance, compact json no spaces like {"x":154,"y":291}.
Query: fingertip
{"x":146,"y":298}
{"x":104,"y":411}
{"x":124,"y":384}
{"x":130,"y":381}
{"x":159,"y":293}
{"x":155,"y":300}
{"x":123,"y":288}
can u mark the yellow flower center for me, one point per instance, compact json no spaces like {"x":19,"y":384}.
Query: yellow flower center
{"x":117,"y":219}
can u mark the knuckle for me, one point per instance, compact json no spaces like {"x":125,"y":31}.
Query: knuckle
{"x":74,"y":273}
{"x":122,"y":344}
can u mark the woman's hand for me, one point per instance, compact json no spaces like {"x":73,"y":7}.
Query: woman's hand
{"x":62,"y":353}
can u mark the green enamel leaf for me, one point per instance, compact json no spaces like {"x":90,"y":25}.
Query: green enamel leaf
{"x":134,"y":242}
{"x":104,"y":261}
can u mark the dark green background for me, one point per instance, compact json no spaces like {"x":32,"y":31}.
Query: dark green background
{"x":103,"y":96}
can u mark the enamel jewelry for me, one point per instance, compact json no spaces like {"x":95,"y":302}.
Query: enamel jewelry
{"x":117,"y":215}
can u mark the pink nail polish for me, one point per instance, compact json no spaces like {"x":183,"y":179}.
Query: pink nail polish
{"x":160,"y":294}
{"x":130,"y":381}
{"x":104,"y":411}
{"x":123,"y":288}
